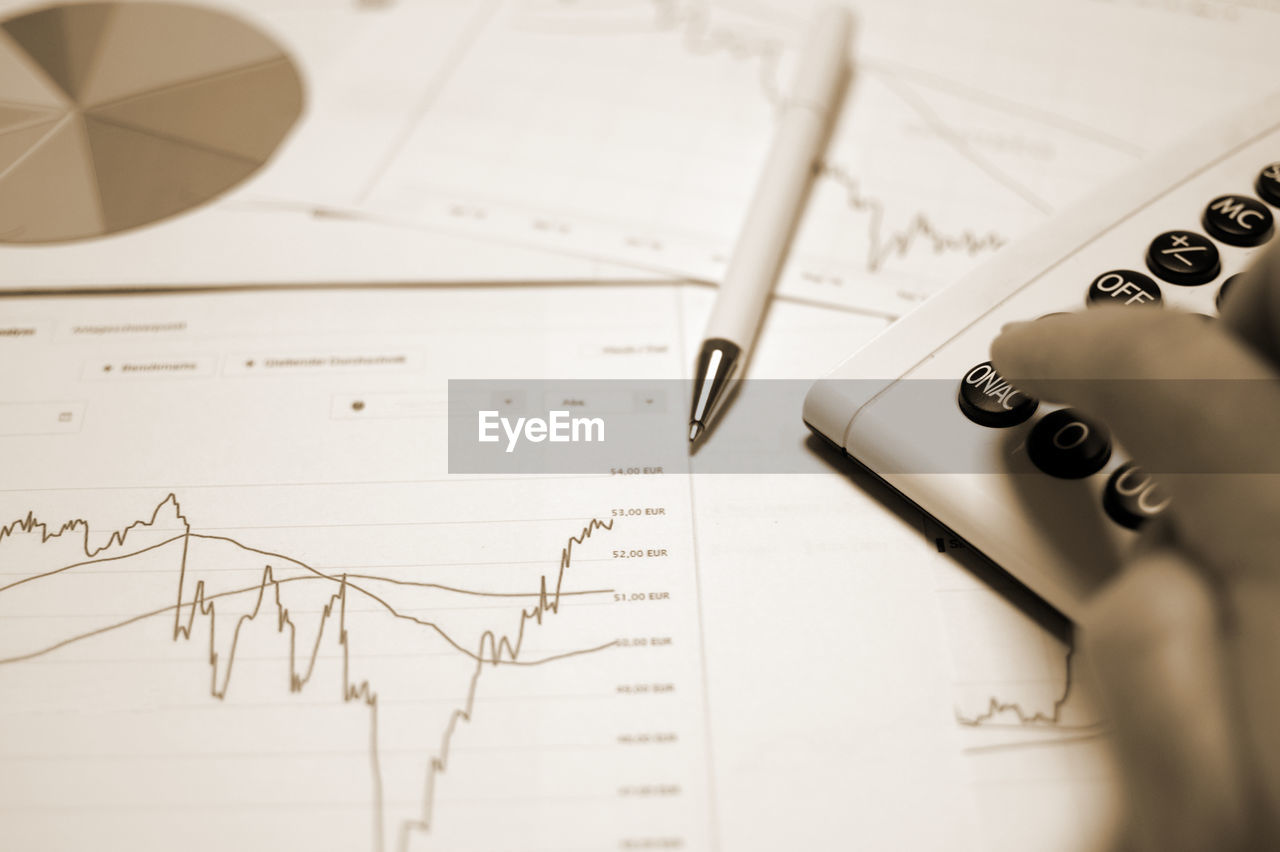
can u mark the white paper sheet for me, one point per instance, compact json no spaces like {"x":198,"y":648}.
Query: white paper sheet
{"x":793,"y":666}
{"x":634,"y":131}
{"x":377,"y":68}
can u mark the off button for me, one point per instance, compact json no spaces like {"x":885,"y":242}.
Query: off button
{"x":988,"y":399}
{"x":1123,"y":287}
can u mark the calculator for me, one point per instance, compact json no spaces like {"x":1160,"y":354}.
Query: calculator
{"x":1041,"y":490}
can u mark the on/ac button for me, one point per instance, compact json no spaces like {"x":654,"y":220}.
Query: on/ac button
{"x":988,"y":399}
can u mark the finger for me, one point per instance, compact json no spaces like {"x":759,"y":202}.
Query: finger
{"x":1251,"y":307}
{"x":1153,"y":639}
{"x":1252,"y":643}
{"x":1180,"y":395}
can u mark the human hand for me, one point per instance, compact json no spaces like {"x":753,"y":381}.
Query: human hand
{"x":1185,"y":642}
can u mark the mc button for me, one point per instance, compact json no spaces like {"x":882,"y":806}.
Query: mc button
{"x":989,"y":400}
{"x":1184,"y":257}
{"x":1238,"y":220}
{"x":1068,"y":445}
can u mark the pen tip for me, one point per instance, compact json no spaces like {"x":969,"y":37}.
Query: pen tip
{"x":695,"y":429}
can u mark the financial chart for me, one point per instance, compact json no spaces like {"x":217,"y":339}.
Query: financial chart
{"x":132,"y":133}
{"x":242,"y":603}
{"x":633,"y":131}
{"x":621,"y":132}
{"x":114,"y":116}
{"x":266,"y":617}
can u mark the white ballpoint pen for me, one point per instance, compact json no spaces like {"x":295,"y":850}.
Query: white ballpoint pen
{"x":801,"y":129}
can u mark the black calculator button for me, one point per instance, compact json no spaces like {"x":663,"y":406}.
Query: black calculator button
{"x":988,"y":400}
{"x":1238,"y":220}
{"x":1132,"y":497}
{"x":1222,"y":291}
{"x":1068,"y":445}
{"x":1184,"y":257}
{"x":1268,"y":184}
{"x":1123,"y":287}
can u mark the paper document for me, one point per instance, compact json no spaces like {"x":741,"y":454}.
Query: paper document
{"x":233,"y":246}
{"x":635,"y":130}
{"x":130,"y":134}
{"x":628,"y":132}
{"x":239,"y":590}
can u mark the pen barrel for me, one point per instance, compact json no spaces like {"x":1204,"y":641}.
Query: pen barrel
{"x":789,"y":167}
{"x":770,"y":223}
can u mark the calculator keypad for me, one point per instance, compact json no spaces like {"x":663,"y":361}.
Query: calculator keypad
{"x":1065,"y":443}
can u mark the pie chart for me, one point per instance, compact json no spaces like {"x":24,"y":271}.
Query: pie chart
{"x":116,"y":115}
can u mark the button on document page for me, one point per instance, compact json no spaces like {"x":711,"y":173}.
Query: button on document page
{"x":243,"y":604}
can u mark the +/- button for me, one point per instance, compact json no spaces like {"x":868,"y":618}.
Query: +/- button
{"x":1222,"y":291}
{"x":1238,"y":220}
{"x":1132,"y":497}
{"x":989,"y":400}
{"x":1123,"y":287}
{"x":1184,"y":257}
{"x":1268,"y":184}
{"x":1068,"y":445}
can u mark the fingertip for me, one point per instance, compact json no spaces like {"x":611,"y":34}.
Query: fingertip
{"x":1014,"y":350}
{"x":1107,"y":341}
{"x":1029,"y":352}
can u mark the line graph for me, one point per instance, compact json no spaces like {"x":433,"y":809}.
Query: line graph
{"x":692,"y":23}
{"x":199,"y":605}
{"x":1046,"y":663}
{"x":884,"y":244}
{"x":300,"y":631}
{"x":890,"y":234}
{"x":1027,"y":725}
{"x":996,"y":707}
{"x":701,"y":37}
{"x":651,"y":120}
{"x":1054,"y":719}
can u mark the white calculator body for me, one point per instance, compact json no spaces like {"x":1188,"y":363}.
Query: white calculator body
{"x":1173,"y":233}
